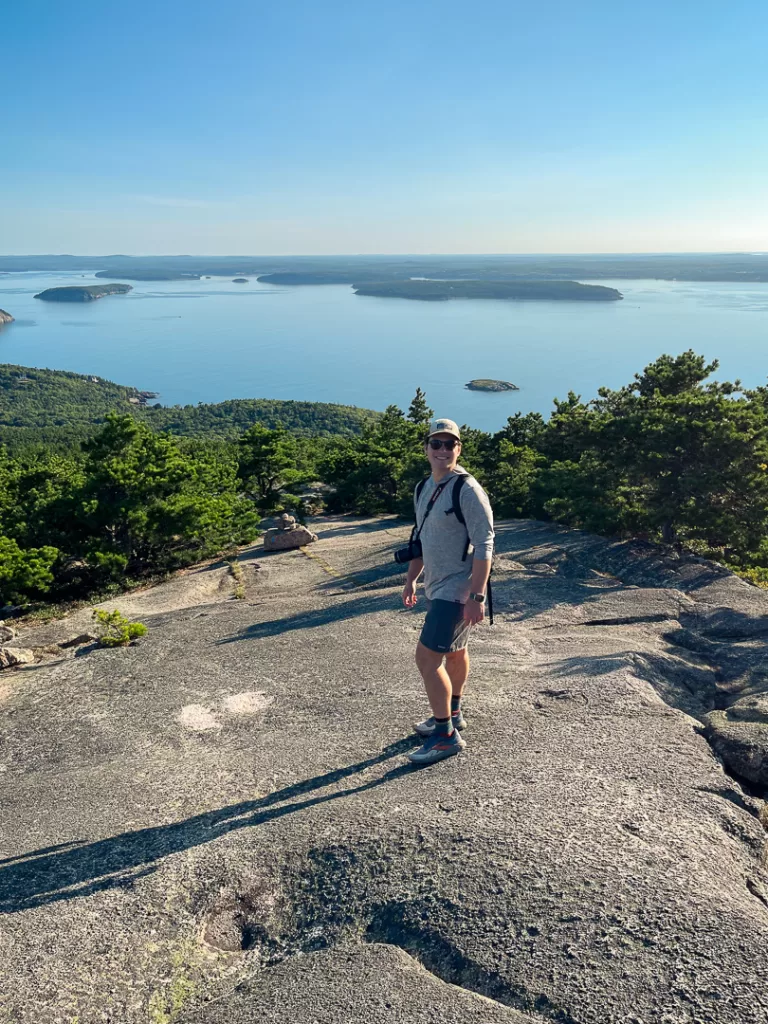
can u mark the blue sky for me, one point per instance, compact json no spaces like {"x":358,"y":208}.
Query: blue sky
{"x":339,"y":127}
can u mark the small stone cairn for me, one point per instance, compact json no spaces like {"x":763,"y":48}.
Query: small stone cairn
{"x":10,"y":657}
{"x":287,"y":534}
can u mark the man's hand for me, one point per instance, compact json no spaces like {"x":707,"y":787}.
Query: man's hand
{"x":409,"y":593}
{"x":474,"y":612}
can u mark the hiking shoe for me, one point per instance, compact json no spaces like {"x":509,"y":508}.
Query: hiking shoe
{"x":437,"y":748}
{"x":427,"y":727}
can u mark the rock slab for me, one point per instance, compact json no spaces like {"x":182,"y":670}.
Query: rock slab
{"x":285,"y":540}
{"x":219,"y":825}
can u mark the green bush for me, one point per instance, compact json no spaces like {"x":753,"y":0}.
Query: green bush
{"x":24,"y":573}
{"x":118,"y":631}
{"x":757,"y":575}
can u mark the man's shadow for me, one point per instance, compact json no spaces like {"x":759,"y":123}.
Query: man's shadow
{"x":69,"y":870}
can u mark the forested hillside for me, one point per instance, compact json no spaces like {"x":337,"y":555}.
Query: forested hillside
{"x":672,"y":457}
{"x":55,"y":407}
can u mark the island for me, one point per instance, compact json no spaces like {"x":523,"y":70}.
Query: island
{"x":441,"y":291}
{"x":82,"y":293}
{"x":5,"y":318}
{"x":149,"y":274}
{"x":239,"y":280}
{"x":310,"y":277}
{"x":484,"y":384}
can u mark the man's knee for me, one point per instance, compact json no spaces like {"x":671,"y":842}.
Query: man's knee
{"x":456,"y":657}
{"x":426,"y":659}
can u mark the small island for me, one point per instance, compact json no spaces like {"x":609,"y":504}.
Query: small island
{"x":82,"y":293}
{"x":239,"y":280}
{"x":484,"y":384}
{"x":441,"y":291}
{"x":5,"y":318}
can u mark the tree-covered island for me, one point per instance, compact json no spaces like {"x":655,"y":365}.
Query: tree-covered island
{"x":441,"y":291}
{"x":82,"y":293}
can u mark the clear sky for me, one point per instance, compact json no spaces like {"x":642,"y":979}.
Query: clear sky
{"x":335,"y":126}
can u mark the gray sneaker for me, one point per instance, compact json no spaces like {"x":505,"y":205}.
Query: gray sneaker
{"x":437,"y":748}
{"x":427,"y":727}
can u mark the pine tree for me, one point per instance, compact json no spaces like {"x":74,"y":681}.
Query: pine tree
{"x":419,"y":412}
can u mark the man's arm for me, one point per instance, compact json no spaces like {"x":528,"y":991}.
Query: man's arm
{"x":479,"y":519}
{"x":474,"y":611}
{"x":415,"y":569}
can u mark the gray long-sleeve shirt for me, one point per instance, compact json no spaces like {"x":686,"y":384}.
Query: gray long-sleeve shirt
{"x":444,"y":539}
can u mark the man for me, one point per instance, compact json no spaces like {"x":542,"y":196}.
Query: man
{"x":455,"y":583}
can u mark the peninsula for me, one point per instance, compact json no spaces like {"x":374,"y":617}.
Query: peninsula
{"x":82,"y":293}
{"x":484,"y":384}
{"x":5,"y":318}
{"x":441,"y":291}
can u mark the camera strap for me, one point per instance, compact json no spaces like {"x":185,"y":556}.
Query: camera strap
{"x":438,"y":491}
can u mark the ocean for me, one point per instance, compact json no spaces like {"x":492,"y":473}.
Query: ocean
{"x":209,"y":340}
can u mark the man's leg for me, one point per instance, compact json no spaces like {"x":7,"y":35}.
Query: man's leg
{"x":437,"y":682}
{"x":457,"y":667}
{"x":445,"y":740}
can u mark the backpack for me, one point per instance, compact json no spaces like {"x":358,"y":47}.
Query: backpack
{"x":456,"y":510}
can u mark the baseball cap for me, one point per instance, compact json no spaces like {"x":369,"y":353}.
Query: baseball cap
{"x":442,"y":426}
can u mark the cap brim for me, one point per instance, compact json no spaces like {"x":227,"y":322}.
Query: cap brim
{"x":450,"y":432}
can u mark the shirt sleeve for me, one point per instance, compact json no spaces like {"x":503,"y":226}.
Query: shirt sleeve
{"x":479,"y":519}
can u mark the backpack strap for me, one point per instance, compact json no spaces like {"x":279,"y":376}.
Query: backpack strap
{"x":456,"y":498}
{"x":420,"y":487}
{"x":456,"y":507}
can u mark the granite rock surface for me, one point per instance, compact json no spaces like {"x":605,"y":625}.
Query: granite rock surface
{"x":218,"y":825}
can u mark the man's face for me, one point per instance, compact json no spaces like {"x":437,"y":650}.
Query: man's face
{"x":443,"y":459}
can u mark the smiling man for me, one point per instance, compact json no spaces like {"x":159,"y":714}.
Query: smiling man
{"x":456,"y":562}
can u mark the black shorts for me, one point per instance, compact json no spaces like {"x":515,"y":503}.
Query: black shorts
{"x":444,"y":628}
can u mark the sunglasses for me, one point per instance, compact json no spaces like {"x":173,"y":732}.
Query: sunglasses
{"x":435,"y":444}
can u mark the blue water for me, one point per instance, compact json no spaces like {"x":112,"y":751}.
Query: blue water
{"x":205,"y":341}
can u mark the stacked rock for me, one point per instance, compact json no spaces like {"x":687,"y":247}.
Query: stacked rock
{"x":10,"y":657}
{"x":287,"y":534}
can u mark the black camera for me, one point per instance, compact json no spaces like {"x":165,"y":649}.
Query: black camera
{"x":409,"y":552}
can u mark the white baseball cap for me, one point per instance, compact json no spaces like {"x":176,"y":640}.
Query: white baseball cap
{"x":442,"y":426}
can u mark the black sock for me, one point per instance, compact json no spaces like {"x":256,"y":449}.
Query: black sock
{"x":455,"y":705}
{"x":443,"y":726}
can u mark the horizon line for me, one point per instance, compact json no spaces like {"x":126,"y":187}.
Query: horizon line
{"x":402,"y":255}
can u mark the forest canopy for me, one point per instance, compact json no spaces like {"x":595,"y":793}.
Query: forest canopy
{"x":672,"y":457}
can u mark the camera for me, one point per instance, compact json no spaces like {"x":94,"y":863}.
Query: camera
{"x":409,"y":552}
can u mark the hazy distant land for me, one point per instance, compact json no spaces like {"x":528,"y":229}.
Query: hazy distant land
{"x":82,"y":293}
{"x":744,"y":268}
{"x":148,"y":274}
{"x":441,"y":291}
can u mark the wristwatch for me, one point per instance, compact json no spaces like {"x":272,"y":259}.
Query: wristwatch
{"x":480,"y":598}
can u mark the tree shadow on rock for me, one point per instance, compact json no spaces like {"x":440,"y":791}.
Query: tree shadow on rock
{"x":339,"y":611}
{"x":76,"y":869}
